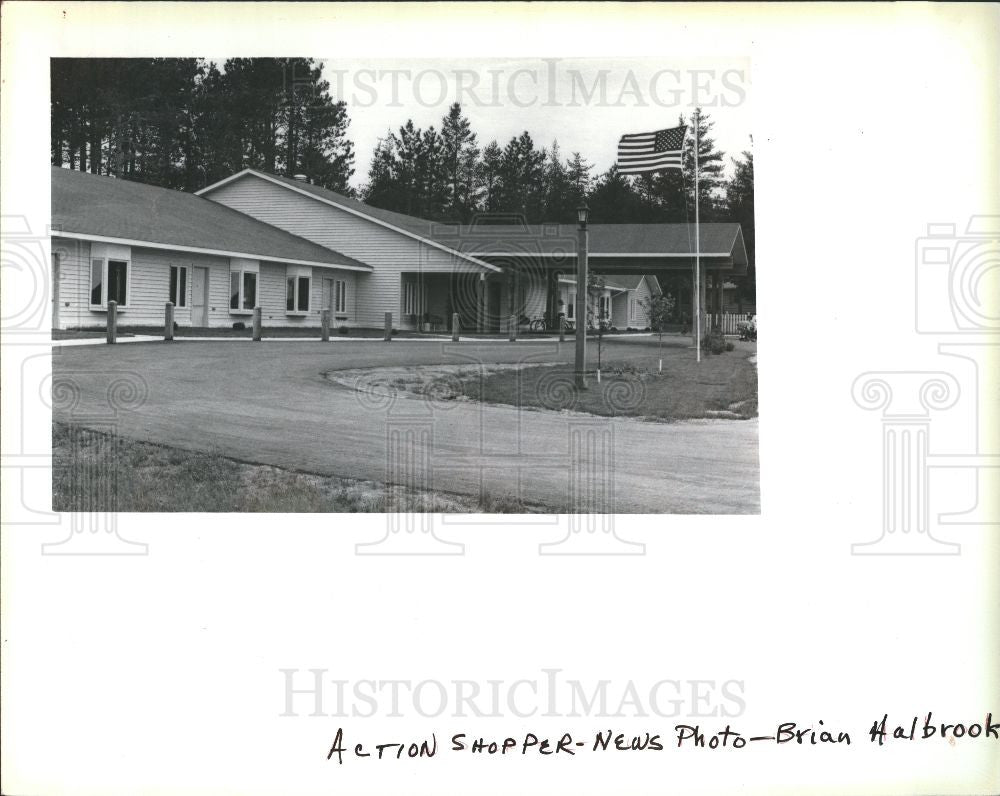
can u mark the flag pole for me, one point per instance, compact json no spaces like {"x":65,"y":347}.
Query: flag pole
{"x":697,"y":250}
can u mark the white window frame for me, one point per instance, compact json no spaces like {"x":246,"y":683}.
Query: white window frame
{"x":631,"y":309}
{"x":179,"y":295}
{"x":106,"y":254}
{"x":243,"y":267}
{"x":296,"y":274}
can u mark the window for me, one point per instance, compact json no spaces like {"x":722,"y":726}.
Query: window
{"x":571,"y":307}
{"x":178,"y":285}
{"x":340,"y":296}
{"x":109,"y":275}
{"x":243,"y":285}
{"x":249,"y":291}
{"x":631,"y":309}
{"x":297,"y":293}
{"x":96,"y":283}
{"x":118,"y":282}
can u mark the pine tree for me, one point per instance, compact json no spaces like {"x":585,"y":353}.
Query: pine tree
{"x":739,"y":208}
{"x":580,"y":181}
{"x":614,"y":200}
{"x":558,"y":197}
{"x":488,"y":178}
{"x":522,"y":179}
{"x":460,"y":157}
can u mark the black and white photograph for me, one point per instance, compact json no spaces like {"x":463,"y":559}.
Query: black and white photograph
{"x":383,"y":408}
{"x":406,"y":245}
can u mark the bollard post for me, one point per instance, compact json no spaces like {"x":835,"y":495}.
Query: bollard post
{"x":454,"y":327}
{"x":168,"y":321}
{"x":388,"y":327}
{"x":258,"y":331}
{"x":325,"y":325}
{"x":112,"y":322}
{"x":562,"y":328}
{"x":512,"y":328}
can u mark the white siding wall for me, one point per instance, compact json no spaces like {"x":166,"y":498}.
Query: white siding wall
{"x":149,"y":289}
{"x":619,"y":309}
{"x":642,"y":295}
{"x":390,"y":253}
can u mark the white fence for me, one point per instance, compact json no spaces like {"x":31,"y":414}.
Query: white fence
{"x":728,"y":321}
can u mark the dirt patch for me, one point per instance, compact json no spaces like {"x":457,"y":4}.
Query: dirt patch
{"x":435,"y":382}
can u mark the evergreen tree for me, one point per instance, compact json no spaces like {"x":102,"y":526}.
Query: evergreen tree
{"x":488,"y":178}
{"x":614,"y":200}
{"x":460,"y":157}
{"x":580,"y":181}
{"x":559,"y":205}
{"x":522,"y":179}
{"x":739,"y":208}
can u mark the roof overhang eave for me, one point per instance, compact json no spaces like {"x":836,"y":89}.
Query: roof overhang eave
{"x":147,"y":244}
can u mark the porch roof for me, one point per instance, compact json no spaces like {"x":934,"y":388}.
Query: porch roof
{"x":634,"y":249}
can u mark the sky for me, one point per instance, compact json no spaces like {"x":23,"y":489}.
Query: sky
{"x":587,"y":104}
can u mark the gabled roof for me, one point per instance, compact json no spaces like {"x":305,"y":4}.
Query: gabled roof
{"x":622,"y":281}
{"x":484,"y":239}
{"x":93,"y":207}
{"x":408,"y":225}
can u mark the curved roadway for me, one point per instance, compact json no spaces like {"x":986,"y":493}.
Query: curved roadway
{"x":270,"y":403}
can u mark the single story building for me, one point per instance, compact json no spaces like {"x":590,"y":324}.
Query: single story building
{"x":294,"y":249}
{"x":621,"y":301}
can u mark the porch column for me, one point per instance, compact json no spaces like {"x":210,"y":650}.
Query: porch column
{"x":694,"y":309}
{"x":719,"y":296}
{"x":511,"y":289}
{"x":552,"y":297}
{"x":481,"y":304}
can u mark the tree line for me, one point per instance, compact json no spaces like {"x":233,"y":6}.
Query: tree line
{"x":185,"y":123}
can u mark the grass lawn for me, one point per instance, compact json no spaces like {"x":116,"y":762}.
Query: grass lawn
{"x":96,"y":471}
{"x":721,"y":385}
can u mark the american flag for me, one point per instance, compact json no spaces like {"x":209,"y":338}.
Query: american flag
{"x":639,"y":153}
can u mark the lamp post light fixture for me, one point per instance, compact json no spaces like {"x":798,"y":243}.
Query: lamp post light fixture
{"x":580,"y":364}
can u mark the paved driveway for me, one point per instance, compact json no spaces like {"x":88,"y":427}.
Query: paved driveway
{"x":270,"y":403}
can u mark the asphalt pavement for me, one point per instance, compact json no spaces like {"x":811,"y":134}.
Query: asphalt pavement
{"x":270,"y":403}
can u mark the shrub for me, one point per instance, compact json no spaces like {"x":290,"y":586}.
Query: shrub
{"x":239,"y":325}
{"x":393,"y":331}
{"x":343,"y":330}
{"x":714,"y":342}
{"x":613,"y":329}
{"x":729,"y":346}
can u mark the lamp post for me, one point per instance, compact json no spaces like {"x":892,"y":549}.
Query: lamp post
{"x":582,"y":215}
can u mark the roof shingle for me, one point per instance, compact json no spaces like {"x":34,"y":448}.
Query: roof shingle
{"x":89,"y":204}
{"x":480,"y":239}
